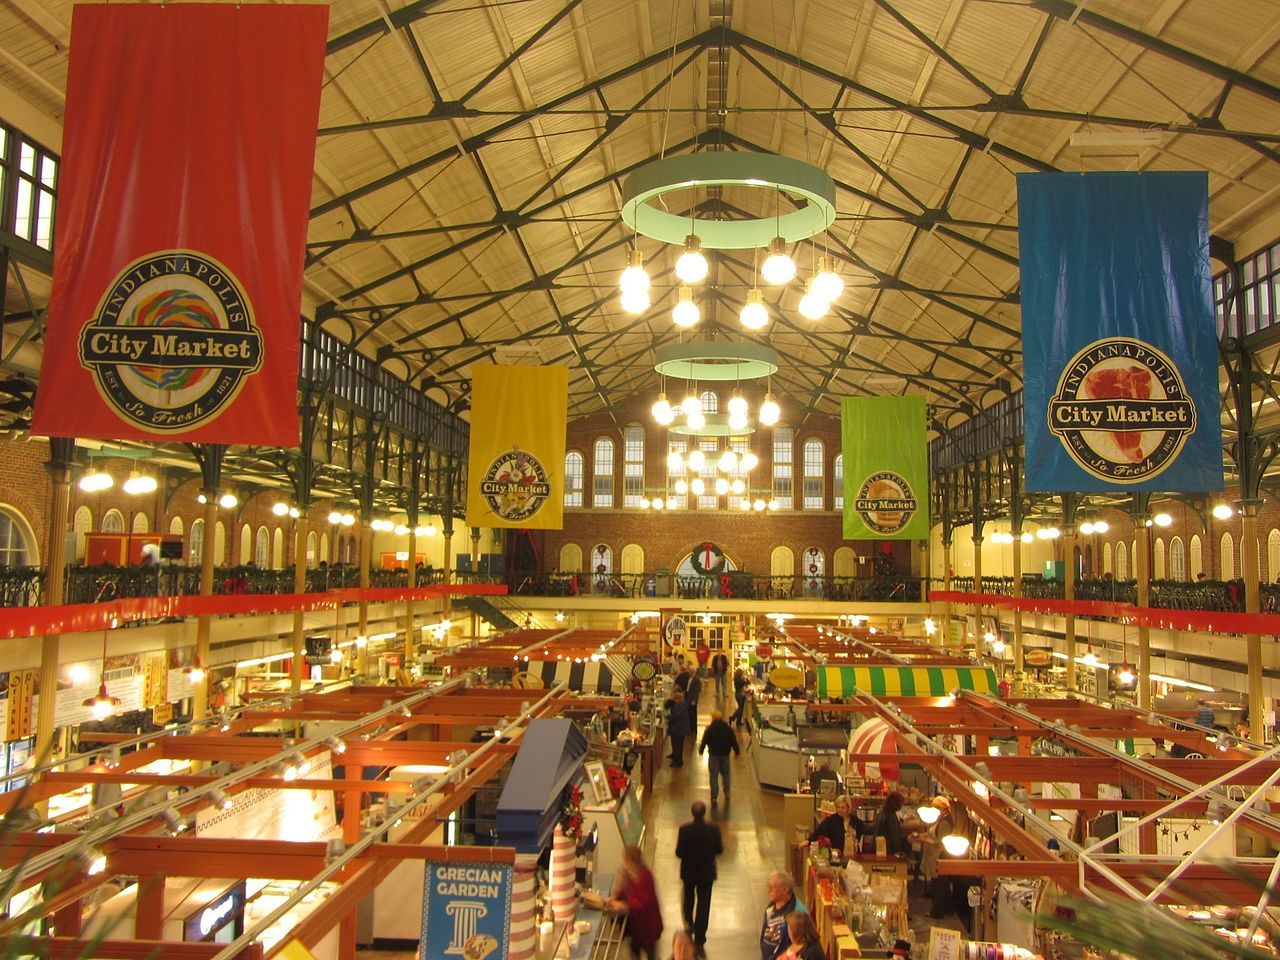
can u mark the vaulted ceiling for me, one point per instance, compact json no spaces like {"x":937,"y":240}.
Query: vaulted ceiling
{"x":472,"y":153}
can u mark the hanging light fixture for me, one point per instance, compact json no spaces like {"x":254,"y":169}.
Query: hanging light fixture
{"x":1221,"y":511}
{"x":691,"y":266}
{"x":1101,"y":526}
{"x":769,"y":410}
{"x":753,"y":315}
{"x":675,"y":462}
{"x":228,"y":501}
{"x":826,"y":283}
{"x":195,"y":673}
{"x":95,"y":481}
{"x":738,"y":487}
{"x":634,"y":279}
{"x":956,"y":845}
{"x":812,"y":306}
{"x":721,"y":486}
{"x":697,"y":487}
{"x":685,"y":313}
{"x":662,"y":412}
{"x":748,"y":461}
{"x":778,"y":267}
{"x":737,"y":404}
{"x":690,"y":404}
{"x":728,"y":461}
{"x":280,"y":508}
{"x":138,"y":484}
{"x":682,"y":487}
{"x":758,"y":505}
{"x":696,"y":420}
{"x":102,"y":704}
{"x":738,"y":421}
{"x":696,"y":460}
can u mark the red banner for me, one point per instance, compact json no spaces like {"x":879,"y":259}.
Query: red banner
{"x":182,"y":214}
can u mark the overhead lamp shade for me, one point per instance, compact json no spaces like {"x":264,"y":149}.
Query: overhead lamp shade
{"x":753,"y":315}
{"x":748,"y":462}
{"x":690,"y":404}
{"x":812,"y":306}
{"x":769,"y":410}
{"x":401,"y":530}
{"x":1162,"y":519}
{"x":1223,"y":511}
{"x":1026,"y":537}
{"x":928,"y":815}
{"x":228,"y":500}
{"x":738,"y":404}
{"x":685,"y":313}
{"x":722,"y":486}
{"x":675,"y":462}
{"x":697,"y":487}
{"x":696,"y":420}
{"x":634,"y":280}
{"x":778,"y":267}
{"x":955,"y":844}
{"x":95,"y":481}
{"x":826,"y":283}
{"x":335,"y":516}
{"x":738,"y":487}
{"x":697,"y":460}
{"x":348,"y":519}
{"x":682,"y":487}
{"x":635,"y":301}
{"x":1101,"y":526}
{"x":662,"y":412}
{"x":280,"y":509}
{"x":1086,"y":528}
{"x":137,"y":485}
{"x":728,"y":461}
{"x":691,"y":266}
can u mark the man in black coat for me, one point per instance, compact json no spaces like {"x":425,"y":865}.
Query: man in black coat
{"x":691,"y":700}
{"x":697,"y":846}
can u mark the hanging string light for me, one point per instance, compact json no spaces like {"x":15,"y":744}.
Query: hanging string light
{"x":685,"y":313}
{"x":691,"y":266}
{"x":754,"y":315}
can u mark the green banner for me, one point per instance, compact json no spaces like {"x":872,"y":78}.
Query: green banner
{"x":886,"y":468}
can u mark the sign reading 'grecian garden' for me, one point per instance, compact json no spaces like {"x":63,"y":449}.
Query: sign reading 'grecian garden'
{"x":466,"y":910}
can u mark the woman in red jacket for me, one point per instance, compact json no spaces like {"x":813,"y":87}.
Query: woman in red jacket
{"x":635,"y":895}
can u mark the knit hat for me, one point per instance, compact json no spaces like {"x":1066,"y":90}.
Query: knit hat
{"x":901,"y":948}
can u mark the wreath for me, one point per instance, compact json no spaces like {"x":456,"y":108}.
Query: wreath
{"x":571,"y":813}
{"x":716,"y":556}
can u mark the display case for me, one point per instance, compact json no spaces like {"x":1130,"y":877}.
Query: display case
{"x":618,"y":823}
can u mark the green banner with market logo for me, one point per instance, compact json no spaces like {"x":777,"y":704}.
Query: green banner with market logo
{"x":886,"y":468}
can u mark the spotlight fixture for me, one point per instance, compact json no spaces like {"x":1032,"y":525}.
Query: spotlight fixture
{"x":173,"y":821}
{"x":220,"y":799}
{"x":336,"y":744}
{"x":691,"y":265}
{"x":754,"y":315}
{"x":778,"y":267}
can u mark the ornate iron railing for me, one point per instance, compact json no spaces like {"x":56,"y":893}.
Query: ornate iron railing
{"x":1226,"y":595}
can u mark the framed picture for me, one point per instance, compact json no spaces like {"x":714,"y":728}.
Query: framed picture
{"x":599,"y":782}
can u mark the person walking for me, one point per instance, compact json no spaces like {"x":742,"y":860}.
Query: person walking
{"x":774,"y":936}
{"x":634,"y":894}
{"x":720,"y":670}
{"x":717,"y":740}
{"x":697,"y":845}
{"x":739,"y":695}
{"x":691,"y":698}
{"x":677,"y":727}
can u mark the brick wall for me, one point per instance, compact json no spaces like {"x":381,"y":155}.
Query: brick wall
{"x":25,"y":486}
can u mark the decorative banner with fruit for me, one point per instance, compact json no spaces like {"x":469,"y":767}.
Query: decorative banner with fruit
{"x":1120,"y":351}
{"x":886,"y":459}
{"x":515,"y":469}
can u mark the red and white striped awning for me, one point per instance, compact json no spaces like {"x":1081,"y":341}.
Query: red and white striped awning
{"x":872,"y":737}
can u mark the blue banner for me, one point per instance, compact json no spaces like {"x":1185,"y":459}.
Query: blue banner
{"x":466,"y":910}
{"x":1120,"y":353}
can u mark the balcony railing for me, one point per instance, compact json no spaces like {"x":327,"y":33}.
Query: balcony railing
{"x":1226,"y":595}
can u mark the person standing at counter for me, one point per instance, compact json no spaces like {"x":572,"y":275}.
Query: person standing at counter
{"x":697,"y":845}
{"x":774,"y":936}
{"x":677,"y":727}
{"x":805,"y":941}
{"x":890,"y":827}
{"x":718,"y":739}
{"x":635,"y":895}
{"x":930,"y":851}
{"x":842,"y":829}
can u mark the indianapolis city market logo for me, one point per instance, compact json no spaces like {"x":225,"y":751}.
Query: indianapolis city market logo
{"x":173,"y":341}
{"x":515,"y":486}
{"x":1121,"y":410}
{"x":885,"y":502}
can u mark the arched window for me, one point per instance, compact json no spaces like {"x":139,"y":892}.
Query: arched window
{"x":571,"y":558}
{"x":277,"y":549}
{"x":783,"y":466}
{"x":262,"y":549}
{"x":246,"y":544}
{"x":633,"y":558}
{"x":601,"y":567}
{"x":844,"y":563}
{"x":81,"y":525}
{"x":1177,"y":559}
{"x":141,"y":523}
{"x":113,"y":522}
{"x":680,"y":446}
{"x":814,"y":571}
{"x":573,"y":474}
{"x":1157,"y":559}
{"x":325,"y":555}
{"x":1227,"y":558}
{"x":1197,"y":559}
{"x":1122,"y":561}
{"x":740,"y":446}
{"x":814,"y":475}
{"x":710,"y":402}
{"x":782,"y":562}
{"x":17,"y":543}
{"x":632,"y":465}
{"x":602,"y":474}
{"x":219,"y":544}
{"x":710,"y":448}
{"x":837,"y":484}
{"x":311,"y":549}
{"x":1106,"y":560}
{"x":175,"y":526}
{"x":196,"y":552}
{"x":1273,"y":555}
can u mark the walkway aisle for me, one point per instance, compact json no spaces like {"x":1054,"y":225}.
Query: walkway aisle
{"x":751,"y":824}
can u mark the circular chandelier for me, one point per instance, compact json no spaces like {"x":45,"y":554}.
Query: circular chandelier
{"x":647,"y":187}
{"x":715,"y":361}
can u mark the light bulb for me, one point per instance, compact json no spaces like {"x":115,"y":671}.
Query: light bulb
{"x":1222,"y":511}
{"x":401,"y":530}
{"x":362,"y":641}
{"x":721,"y":486}
{"x":428,"y":530}
{"x":559,"y":617}
{"x":671,"y":503}
{"x":685,"y":313}
{"x":738,"y":421}
{"x":1026,"y":537}
{"x":928,"y":815}
{"x":748,"y":462}
{"x":738,"y":404}
{"x":758,"y":506}
{"x":696,"y":420}
{"x":682,"y":487}
{"x":634,"y":280}
{"x":635,"y":301}
{"x":773,"y":505}
{"x":728,"y":461}
{"x":136,"y":485}
{"x":675,"y":462}
{"x":658,"y":504}
{"x":348,"y":519}
{"x":1126,"y":676}
{"x":691,"y":266}
{"x":228,"y":501}
{"x":778,"y":267}
{"x":812,"y":306}
{"x":280,"y":509}
{"x":335,"y":655}
{"x":1101,"y":526}
{"x":746,"y":505}
{"x":769,"y":410}
{"x":644,"y":503}
{"x":753,"y":315}
{"x":420,"y":531}
{"x":335,"y":516}
{"x":697,"y":487}
{"x":1086,"y":528}
{"x":955,"y":844}
{"x":690,"y":403}
{"x":997,"y":647}
{"x":738,"y":487}
{"x":201,"y":498}
{"x":697,"y":460}
{"x":96,"y":481}
{"x":102,"y":708}
{"x":195,"y":673}
{"x":826,"y":283}
{"x":662,"y":412}
{"x":1162,"y":519}
{"x":294,"y":513}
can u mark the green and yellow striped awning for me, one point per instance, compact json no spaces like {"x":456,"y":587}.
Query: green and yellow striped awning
{"x":903,"y":681}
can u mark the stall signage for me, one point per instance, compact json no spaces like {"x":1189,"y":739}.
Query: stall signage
{"x":675,"y":631}
{"x":785,"y":678}
{"x":318,"y":648}
{"x":944,"y":944}
{"x":216,"y":914}
{"x":1039,"y":657}
{"x":466,"y":910}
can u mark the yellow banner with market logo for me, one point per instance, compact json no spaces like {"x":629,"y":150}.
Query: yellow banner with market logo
{"x":886,"y":468}
{"x":515,"y":472}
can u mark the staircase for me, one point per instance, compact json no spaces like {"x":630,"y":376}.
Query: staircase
{"x":488,"y":610}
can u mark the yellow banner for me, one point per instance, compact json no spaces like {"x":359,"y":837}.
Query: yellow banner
{"x":515,"y":471}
